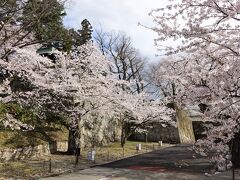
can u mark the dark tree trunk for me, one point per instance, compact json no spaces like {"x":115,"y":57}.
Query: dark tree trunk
{"x":235,"y":150}
{"x":73,"y":142}
{"x":72,"y":146}
{"x":74,"y":137}
{"x":126,"y":132}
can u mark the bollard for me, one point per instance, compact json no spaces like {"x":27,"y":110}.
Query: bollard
{"x":160,"y":143}
{"x":138,"y":147}
{"x":91,"y":155}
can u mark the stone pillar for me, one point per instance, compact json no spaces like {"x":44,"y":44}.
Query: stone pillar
{"x":185,"y":127}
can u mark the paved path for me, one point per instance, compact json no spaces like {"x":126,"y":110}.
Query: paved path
{"x":173,"y":163}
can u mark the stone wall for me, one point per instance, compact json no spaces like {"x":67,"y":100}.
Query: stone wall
{"x":167,"y":134}
{"x":95,"y":132}
{"x":24,"y":153}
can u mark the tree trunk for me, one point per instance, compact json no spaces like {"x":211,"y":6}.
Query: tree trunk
{"x":72,"y":146}
{"x":235,"y":150}
{"x":74,"y":138}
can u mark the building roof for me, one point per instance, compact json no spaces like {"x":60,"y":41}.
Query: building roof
{"x":45,"y":50}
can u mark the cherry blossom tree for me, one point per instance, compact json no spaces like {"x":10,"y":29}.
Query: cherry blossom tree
{"x":73,"y":86}
{"x":206,"y":34}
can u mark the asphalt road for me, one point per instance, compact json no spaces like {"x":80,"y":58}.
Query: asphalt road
{"x":176,"y":158}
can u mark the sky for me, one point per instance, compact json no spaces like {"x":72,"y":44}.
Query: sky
{"x":118,"y":15}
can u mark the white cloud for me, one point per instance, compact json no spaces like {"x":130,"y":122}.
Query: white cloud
{"x":122,"y":15}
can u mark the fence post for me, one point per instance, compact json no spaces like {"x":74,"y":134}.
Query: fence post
{"x":43,"y":165}
{"x":50,"y":165}
{"x":108,"y":156}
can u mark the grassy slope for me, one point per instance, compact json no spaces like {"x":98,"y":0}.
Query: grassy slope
{"x":18,"y":139}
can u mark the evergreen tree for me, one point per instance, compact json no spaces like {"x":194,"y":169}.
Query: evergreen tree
{"x":44,"y":17}
{"x":80,"y":36}
{"x":85,"y":32}
{"x":23,"y":23}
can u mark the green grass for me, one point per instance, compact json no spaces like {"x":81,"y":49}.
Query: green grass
{"x":17,"y":170}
